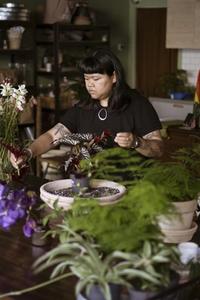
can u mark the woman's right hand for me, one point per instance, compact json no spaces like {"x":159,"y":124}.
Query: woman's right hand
{"x":22,"y":160}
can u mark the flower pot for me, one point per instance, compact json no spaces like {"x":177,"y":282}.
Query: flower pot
{"x":96,"y":293}
{"x":183,"y":217}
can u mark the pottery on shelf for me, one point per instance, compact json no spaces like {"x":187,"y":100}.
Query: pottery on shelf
{"x":47,"y":192}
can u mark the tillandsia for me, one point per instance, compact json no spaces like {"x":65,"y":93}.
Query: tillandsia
{"x":12,"y":102}
{"x":16,"y":204}
{"x":83,"y":145}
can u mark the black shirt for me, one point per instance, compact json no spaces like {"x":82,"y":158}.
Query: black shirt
{"x":139,"y":117}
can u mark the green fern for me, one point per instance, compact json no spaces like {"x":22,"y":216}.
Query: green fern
{"x":125,"y":225}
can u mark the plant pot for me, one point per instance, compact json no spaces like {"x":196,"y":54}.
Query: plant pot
{"x":144,"y":295}
{"x":183,"y":217}
{"x":47,"y":195}
{"x":147,"y":295}
{"x":96,"y":293}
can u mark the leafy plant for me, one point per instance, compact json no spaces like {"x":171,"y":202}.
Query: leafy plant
{"x":121,"y":165}
{"x":175,"y":82}
{"x":122,"y":226}
{"x":175,"y":179}
{"x":190,"y":158}
{"x":149,"y":268}
{"x":83,"y":145}
{"x":82,"y":258}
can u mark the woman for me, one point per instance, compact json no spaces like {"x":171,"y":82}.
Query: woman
{"x":111,"y":105}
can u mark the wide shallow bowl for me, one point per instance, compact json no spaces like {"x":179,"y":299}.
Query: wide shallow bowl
{"x":47,"y":195}
{"x":179,"y":236}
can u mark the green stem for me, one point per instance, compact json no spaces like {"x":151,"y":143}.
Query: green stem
{"x":35,"y":287}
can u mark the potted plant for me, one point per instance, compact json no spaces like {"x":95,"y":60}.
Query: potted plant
{"x":151,"y":270}
{"x":181,"y":189}
{"x":82,"y":147}
{"x":175,"y":85}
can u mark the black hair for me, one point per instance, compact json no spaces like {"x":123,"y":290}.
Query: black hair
{"x":103,"y":61}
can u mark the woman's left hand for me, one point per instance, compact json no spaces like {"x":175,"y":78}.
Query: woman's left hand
{"x":125,"y":139}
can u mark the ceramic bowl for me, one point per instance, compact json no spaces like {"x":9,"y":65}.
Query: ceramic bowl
{"x":47,"y":195}
{"x":179,"y":236}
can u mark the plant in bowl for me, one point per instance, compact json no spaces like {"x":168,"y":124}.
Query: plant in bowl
{"x":83,"y":145}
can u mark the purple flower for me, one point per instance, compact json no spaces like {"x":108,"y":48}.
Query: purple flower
{"x":6,"y":221}
{"x":29,"y":227}
{"x":16,"y":204}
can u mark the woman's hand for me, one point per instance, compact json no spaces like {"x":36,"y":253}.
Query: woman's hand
{"x":22,"y":160}
{"x":125,"y":139}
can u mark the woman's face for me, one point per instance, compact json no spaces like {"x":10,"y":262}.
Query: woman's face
{"x":99,"y":86}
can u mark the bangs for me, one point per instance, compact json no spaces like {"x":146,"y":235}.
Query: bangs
{"x":91,"y":65}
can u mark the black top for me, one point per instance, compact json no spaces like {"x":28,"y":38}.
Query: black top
{"x":139,"y":117}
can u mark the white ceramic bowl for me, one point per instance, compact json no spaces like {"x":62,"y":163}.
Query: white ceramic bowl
{"x":179,"y":236}
{"x":46,"y":192}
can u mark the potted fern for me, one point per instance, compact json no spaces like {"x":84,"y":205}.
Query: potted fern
{"x":181,"y":189}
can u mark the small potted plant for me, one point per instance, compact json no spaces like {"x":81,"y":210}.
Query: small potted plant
{"x":82,"y":147}
{"x":175,"y":85}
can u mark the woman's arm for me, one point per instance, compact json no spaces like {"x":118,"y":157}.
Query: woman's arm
{"x":40,"y":145}
{"x":150,"y":145}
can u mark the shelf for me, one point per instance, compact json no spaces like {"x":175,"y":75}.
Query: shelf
{"x":72,"y":27}
{"x":74,"y":43}
{"x":11,"y":23}
{"x":16,"y":51}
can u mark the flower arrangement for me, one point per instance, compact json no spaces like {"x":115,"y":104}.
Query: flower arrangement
{"x":12,"y":102}
{"x":15,"y":205}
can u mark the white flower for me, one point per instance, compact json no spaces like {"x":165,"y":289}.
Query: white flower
{"x":22,"y":90}
{"x":6,"y":90}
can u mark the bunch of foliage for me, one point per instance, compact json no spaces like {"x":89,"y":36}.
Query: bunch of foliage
{"x":190,"y":158}
{"x":120,"y":165}
{"x":175,"y":179}
{"x":83,"y":145}
{"x":151,"y":267}
{"x":124,"y":225}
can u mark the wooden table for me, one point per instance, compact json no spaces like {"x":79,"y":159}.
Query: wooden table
{"x":17,"y":255}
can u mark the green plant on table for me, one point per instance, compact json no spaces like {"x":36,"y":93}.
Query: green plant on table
{"x":124,"y":225}
{"x":176,"y":180}
{"x":150,"y":267}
